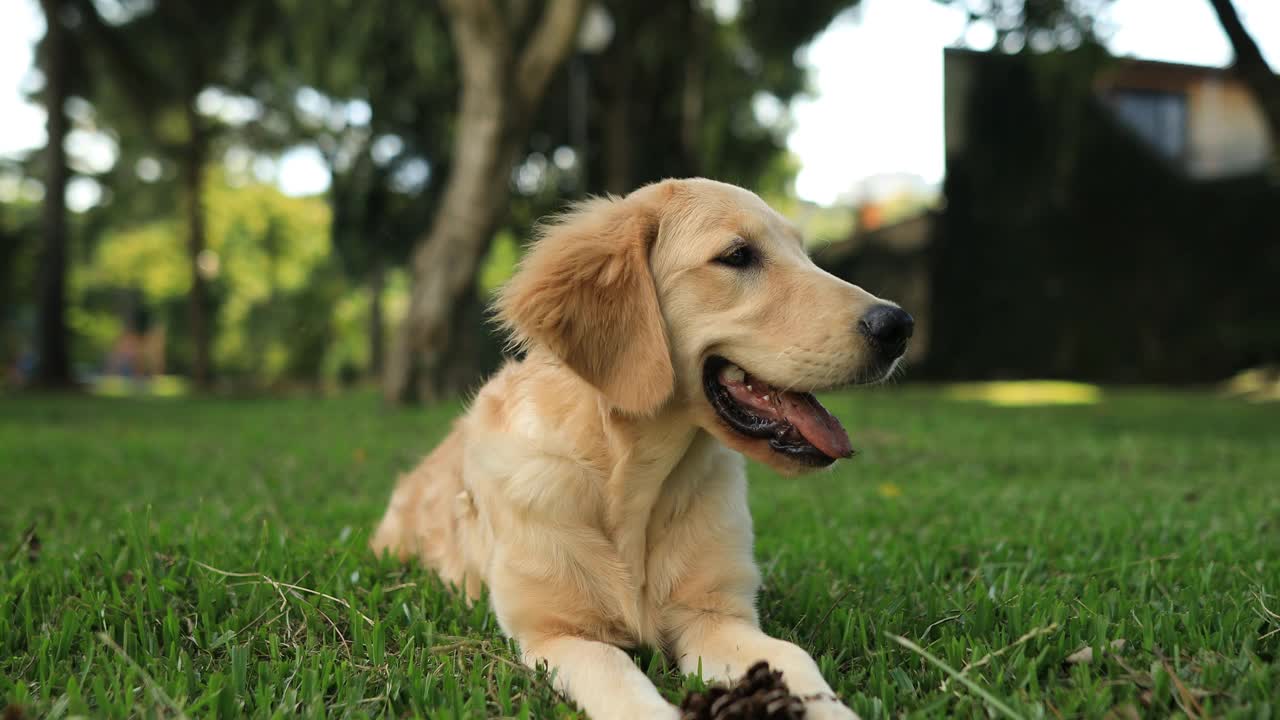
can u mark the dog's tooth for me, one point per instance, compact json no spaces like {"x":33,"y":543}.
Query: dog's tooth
{"x":733,"y":374}
{"x":764,"y":398}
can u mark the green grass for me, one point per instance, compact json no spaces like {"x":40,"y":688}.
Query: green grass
{"x":1000,"y":538}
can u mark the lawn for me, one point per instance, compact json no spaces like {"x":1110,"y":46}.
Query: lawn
{"x":207,"y":557}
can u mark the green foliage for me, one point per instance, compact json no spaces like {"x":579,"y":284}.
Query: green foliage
{"x":373,"y":88}
{"x":148,"y":257}
{"x":679,"y":84}
{"x":1038,"y":25}
{"x":401,"y":66}
{"x":18,"y":248}
{"x":273,"y":283}
{"x":349,"y":349}
{"x":277,"y":287}
{"x":499,"y":264}
{"x":1000,"y":538}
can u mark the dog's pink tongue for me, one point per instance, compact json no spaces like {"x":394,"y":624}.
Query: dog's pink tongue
{"x":818,"y":426}
{"x":801,"y":410}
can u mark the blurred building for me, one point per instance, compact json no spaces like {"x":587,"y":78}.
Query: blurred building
{"x":890,"y":261}
{"x":1202,"y":120}
{"x":1104,"y":218}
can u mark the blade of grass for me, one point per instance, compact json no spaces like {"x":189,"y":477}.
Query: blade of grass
{"x":974,"y":687}
{"x":157,"y":691}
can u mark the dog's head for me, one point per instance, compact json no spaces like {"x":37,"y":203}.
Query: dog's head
{"x":697,"y":293}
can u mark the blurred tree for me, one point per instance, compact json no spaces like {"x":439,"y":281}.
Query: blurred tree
{"x":705,"y":88}
{"x":1039,"y":25}
{"x":163,"y":55}
{"x":365,"y":83}
{"x":506,"y":54}
{"x":1252,"y":68}
{"x":19,"y":236}
{"x":54,"y":368}
{"x":276,"y":281}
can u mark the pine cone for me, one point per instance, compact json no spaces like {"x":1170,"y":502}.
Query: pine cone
{"x":759,"y":695}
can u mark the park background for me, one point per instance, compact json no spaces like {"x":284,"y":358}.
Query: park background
{"x":246,"y":249}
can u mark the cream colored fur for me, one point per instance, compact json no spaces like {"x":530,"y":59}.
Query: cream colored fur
{"x":590,"y":485}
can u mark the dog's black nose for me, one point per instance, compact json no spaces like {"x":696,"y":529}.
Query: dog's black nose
{"x":888,"y":327}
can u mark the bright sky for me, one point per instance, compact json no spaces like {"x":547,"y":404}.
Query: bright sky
{"x":877,"y":78}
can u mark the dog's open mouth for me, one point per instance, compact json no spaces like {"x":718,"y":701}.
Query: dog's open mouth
{"x":795,"y":423}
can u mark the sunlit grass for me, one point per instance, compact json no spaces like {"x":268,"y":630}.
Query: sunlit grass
{"x":1258,"y":384}
{"x":115,"y":386}
{"x":1026,"y":393}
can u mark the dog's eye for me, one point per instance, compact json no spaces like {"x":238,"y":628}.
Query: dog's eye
{"x":739,"y":257}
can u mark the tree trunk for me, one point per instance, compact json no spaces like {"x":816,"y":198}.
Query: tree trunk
{"x":193,"y":166}
{"x":579,"y":122}
{"x":474,"y":351}
{"x":377,"y":321}
{"x":617,"y":145}
{"x":501,"y":87}
{"x":693,"y":92}
{"x":54,"y":369}
{"x":1252,"y":68}
{"x":618,"y":70}
{"x":444,"y":266}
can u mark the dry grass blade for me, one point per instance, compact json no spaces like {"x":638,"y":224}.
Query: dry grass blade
{"x":974,"y":687}
{"x":1188,"y":701}
{"x":941,"y":621}
{"x":289,"y":586}
{"x":1265,"y":610}
{"x":1026,"y":637}
{"x":1268,"y":615}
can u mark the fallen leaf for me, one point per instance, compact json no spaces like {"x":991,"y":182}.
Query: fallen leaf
{"x":1085,"y":654}
{"x":1081,"y":656}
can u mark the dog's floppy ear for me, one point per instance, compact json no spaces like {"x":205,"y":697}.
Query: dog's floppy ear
{"x":585,"y":291}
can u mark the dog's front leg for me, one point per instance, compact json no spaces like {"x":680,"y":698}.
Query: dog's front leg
{"x":727,"y":646}
{"x":600,"y":677}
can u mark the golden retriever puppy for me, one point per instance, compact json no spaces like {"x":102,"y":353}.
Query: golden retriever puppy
{"x":598,"y":486}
